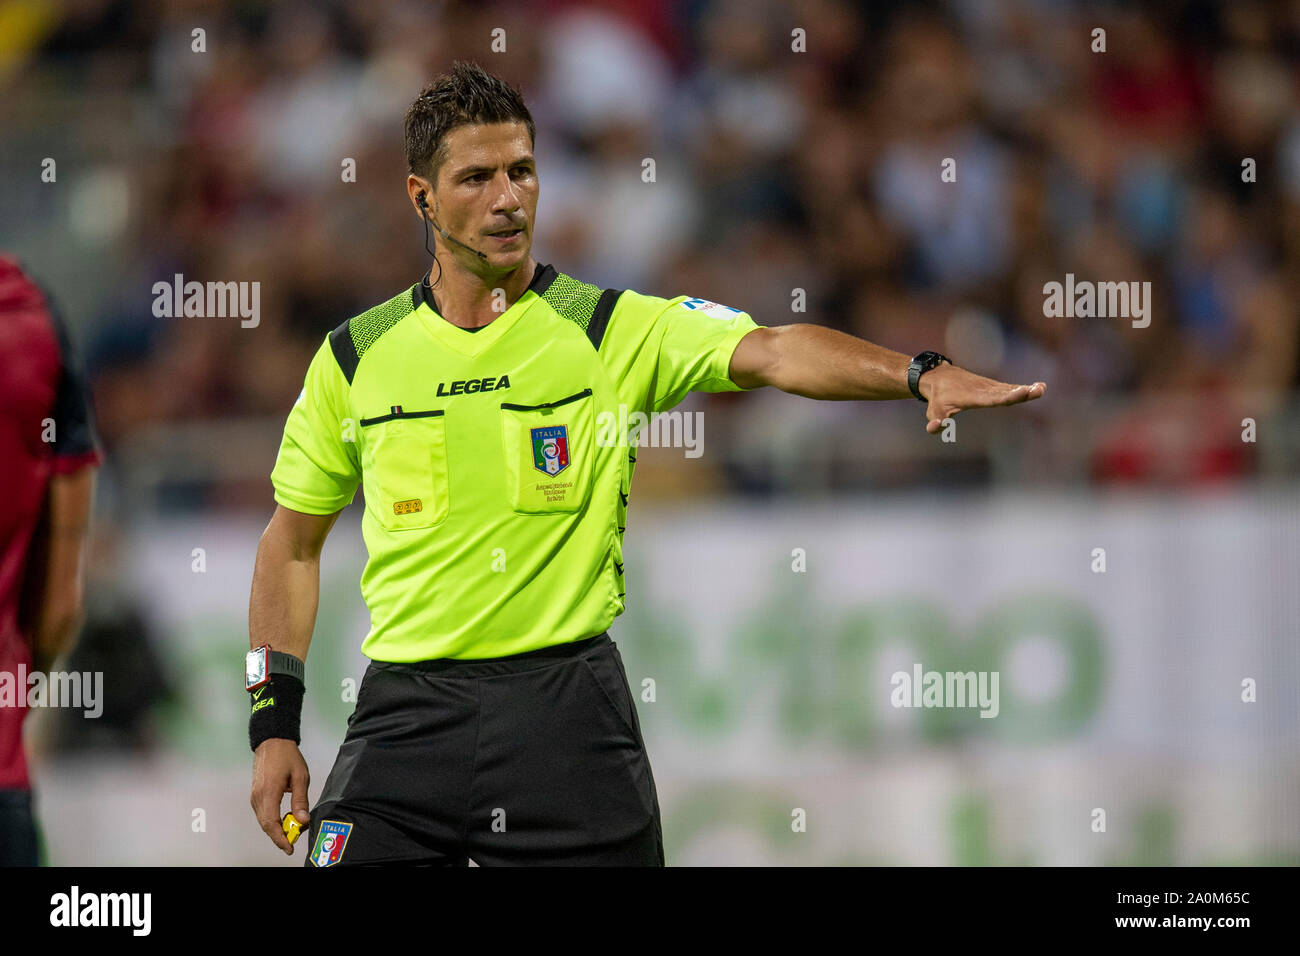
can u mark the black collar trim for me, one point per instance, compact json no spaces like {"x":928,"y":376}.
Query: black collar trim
{"x":543,"y":276}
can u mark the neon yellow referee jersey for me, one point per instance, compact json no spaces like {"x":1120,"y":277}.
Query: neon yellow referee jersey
{"x":495,"y":485}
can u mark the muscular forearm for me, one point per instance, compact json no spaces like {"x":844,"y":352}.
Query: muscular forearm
{"x":814,"y":362}
{"x":60,"y":550}
{"x":821,"y":363}
{"x":55,"y":632}
{"x":285,"y":594}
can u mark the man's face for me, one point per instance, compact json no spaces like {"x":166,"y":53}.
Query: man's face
{"x":485,"y":195}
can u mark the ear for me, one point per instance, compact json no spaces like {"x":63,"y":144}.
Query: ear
{"x":415,"y":186}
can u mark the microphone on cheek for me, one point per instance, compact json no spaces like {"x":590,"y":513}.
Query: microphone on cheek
{"x":424,"y":211}
{"x":450,"y":238}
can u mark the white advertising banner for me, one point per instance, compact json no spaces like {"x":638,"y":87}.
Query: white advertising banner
{"x":1029,"y":679}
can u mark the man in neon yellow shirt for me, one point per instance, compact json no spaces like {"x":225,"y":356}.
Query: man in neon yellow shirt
{"x":495,"y":721}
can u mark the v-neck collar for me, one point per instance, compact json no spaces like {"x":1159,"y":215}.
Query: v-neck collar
{"x":475,"y":343}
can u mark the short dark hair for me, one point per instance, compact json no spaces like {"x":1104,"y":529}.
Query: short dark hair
{"x":465,"y":94}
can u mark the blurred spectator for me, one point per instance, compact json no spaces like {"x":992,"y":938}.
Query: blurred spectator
{"x":802,"y":183}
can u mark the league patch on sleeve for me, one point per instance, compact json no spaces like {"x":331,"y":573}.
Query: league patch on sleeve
{"x":712,"y":309}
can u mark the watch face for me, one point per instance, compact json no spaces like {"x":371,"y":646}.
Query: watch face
{"x":255,"y":667}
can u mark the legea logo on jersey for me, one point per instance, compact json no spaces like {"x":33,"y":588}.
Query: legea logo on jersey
{"x":551,"y":449}
{"x":711,"y":309}
{"x":330,"y":841}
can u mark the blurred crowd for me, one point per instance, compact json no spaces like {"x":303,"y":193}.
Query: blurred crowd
{"x":798,"y":152}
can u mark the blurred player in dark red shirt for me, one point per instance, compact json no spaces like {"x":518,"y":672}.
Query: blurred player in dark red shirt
{"x":48,"y":455}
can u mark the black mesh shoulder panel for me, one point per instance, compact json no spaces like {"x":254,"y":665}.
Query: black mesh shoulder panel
{"x":351,"y":339}
{"x":585,"y":305}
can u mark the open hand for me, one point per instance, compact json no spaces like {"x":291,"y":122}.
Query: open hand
{"x":949,"y":390}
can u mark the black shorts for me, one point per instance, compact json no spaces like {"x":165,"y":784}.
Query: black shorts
{"x":533,"y":759}
{"x":18,"y":841}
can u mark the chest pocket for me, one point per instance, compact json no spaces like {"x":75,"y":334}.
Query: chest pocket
{"x":404,"y":464}
{"x":549,"y":454}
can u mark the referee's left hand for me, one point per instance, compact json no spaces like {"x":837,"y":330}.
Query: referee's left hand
{"x":949,"y":390}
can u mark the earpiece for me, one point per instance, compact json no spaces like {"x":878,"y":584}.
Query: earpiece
{"x":424,"y":211}
{"x":443,"y":233}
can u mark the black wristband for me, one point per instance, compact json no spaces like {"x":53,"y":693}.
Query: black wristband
{"x":276,"y":710}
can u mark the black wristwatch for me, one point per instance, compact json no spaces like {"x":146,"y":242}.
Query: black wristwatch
{"x":920,"y":365}
{"x":261,"y":663}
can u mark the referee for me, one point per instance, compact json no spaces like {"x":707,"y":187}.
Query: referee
{"x":495,"y":722}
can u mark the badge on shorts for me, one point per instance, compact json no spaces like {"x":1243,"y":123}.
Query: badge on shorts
{"x":330,"y":841}
{"x":551,"y":449}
